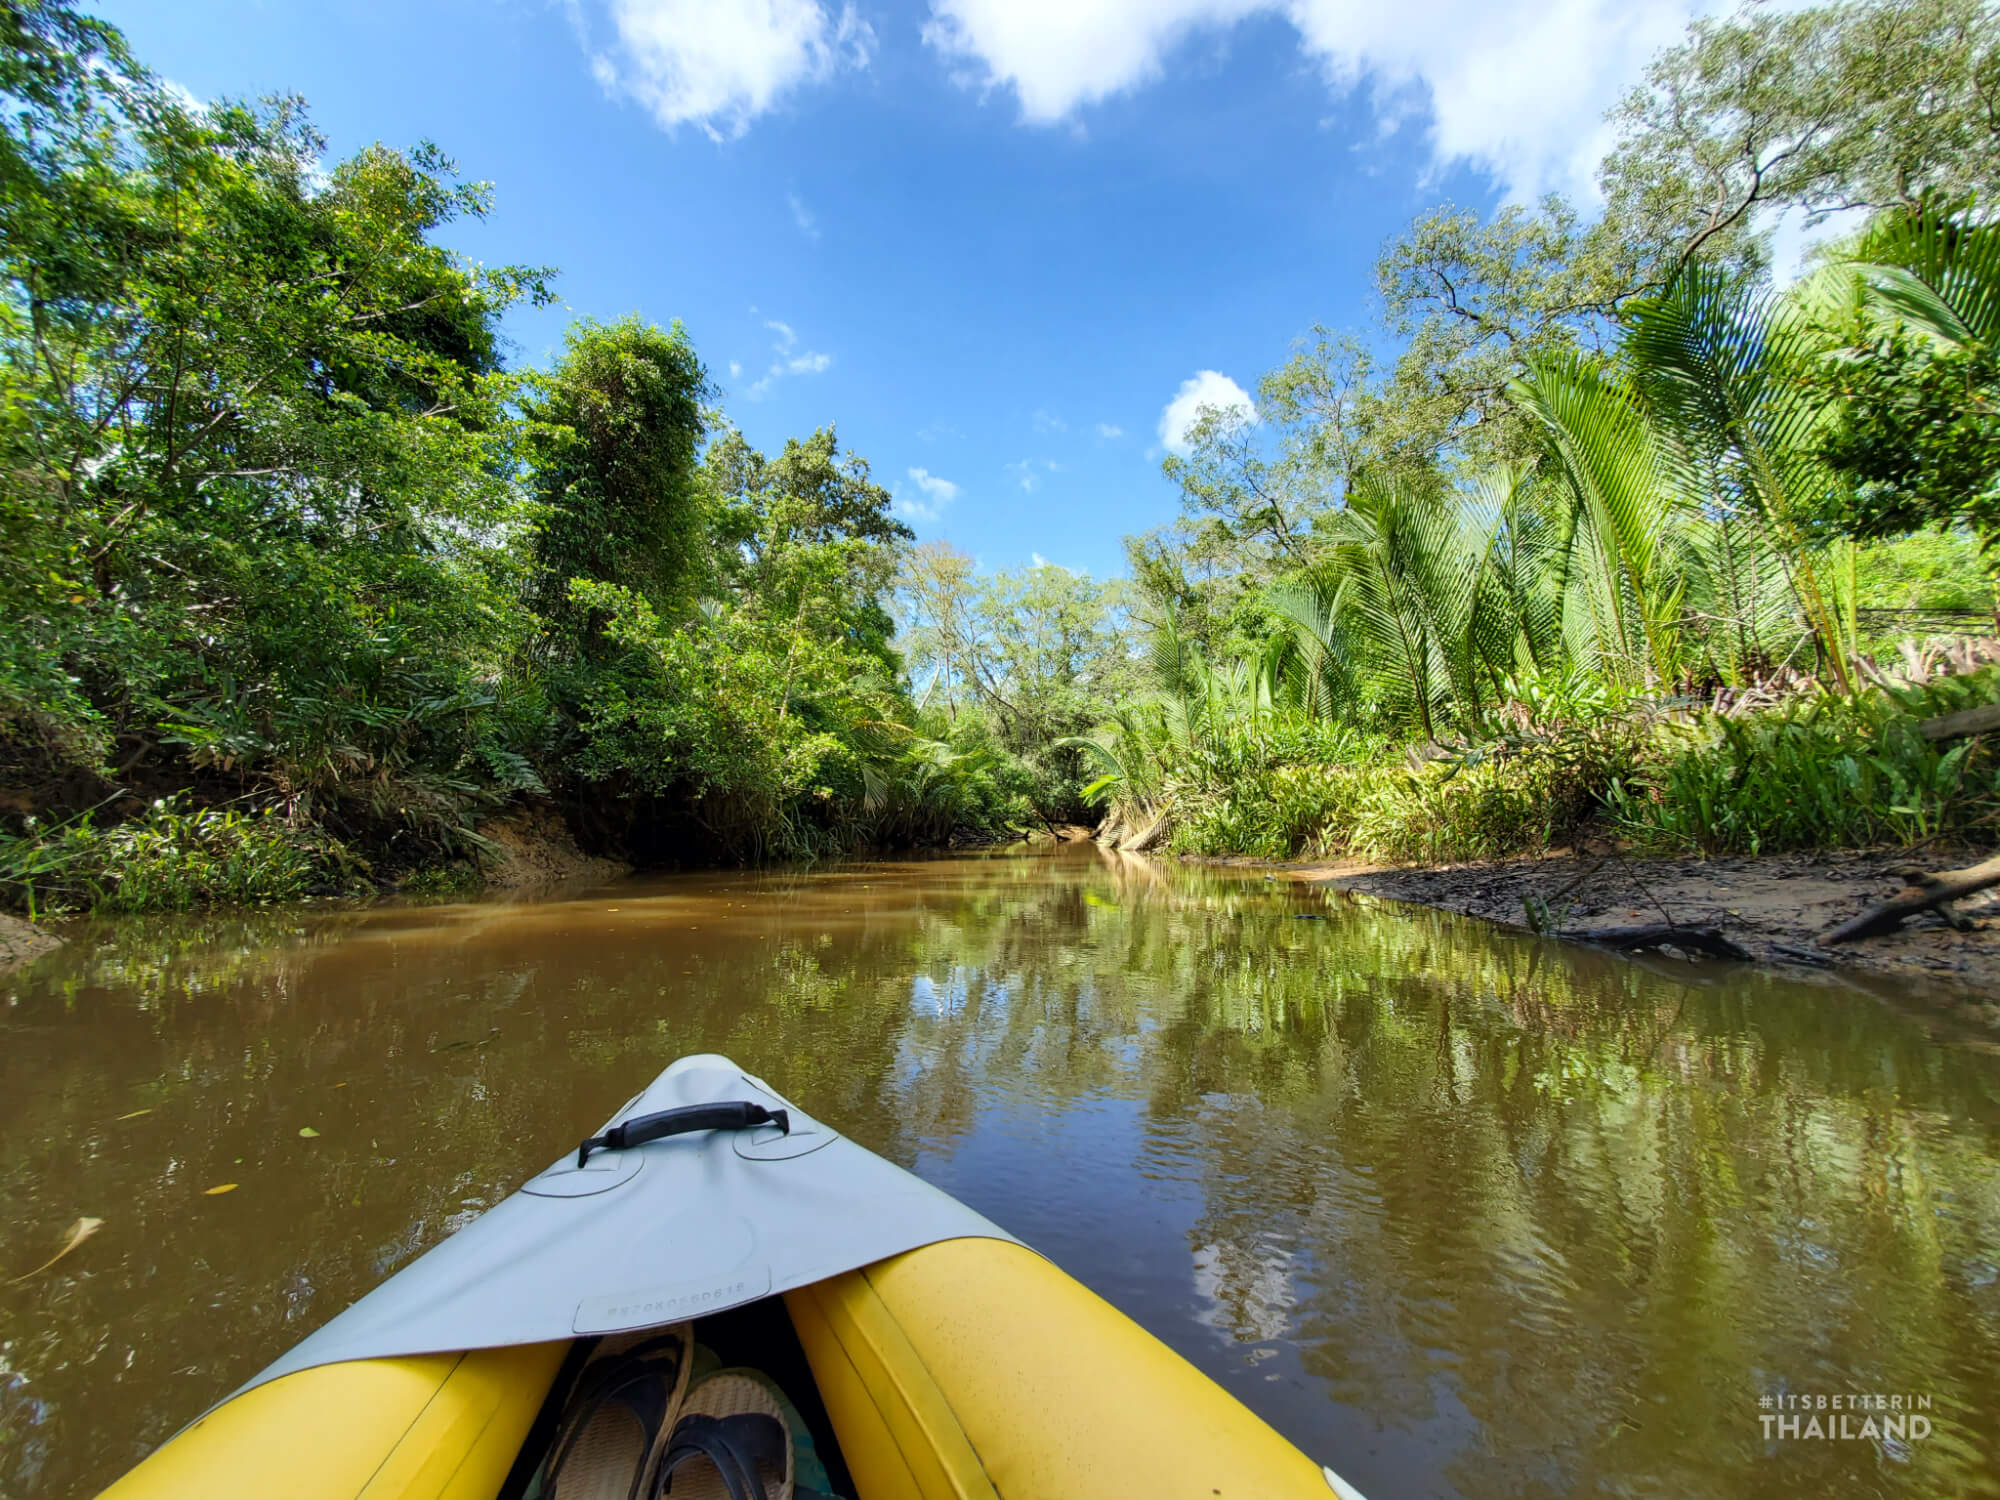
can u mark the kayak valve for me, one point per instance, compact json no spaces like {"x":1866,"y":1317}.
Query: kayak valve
{"x":735,"y":1114}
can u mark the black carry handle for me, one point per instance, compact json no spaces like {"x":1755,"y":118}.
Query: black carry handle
{"x":737,"y":1114}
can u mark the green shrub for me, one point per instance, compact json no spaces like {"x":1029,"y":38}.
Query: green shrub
{"x":170,"y":858}
{"x":1833,"y":772}
{"x":1528,"y":792}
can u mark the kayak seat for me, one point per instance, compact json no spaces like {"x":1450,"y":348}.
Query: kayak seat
{"x":974,"y":1369}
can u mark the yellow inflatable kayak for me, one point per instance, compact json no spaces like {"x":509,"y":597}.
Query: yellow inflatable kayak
{"x":925,"y":1354}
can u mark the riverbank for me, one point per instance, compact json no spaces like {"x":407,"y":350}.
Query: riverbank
{"x":21,"y":941}
{"x":1774,"y":907}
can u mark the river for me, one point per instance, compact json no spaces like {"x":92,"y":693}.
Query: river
{"x":1458,"y":1212}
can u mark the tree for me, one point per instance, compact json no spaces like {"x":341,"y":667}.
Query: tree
{"x":809,"y":538}
{"x":1765,"y":112}
{"x":1474,"y":300}
{"x":616,"y":427}
{"x":939,"y":590}
{"x":1914,"y":379}
{"x":251,"y":416}
{"x":1861,"y":105}
{"x":1055,"y":654}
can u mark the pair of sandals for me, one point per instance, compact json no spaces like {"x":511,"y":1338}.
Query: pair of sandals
{"x":635,"y":1428}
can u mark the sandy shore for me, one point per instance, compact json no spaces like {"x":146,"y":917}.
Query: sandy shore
{"x":1776,"y":907}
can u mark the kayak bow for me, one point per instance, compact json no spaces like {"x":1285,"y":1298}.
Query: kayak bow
{"x":951,"y":1362}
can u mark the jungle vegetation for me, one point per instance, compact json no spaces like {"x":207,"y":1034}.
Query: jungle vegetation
{"x":304,"y":579}
{"x":1619,"y":535}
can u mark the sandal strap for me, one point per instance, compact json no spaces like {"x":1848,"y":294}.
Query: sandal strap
{"x":622,"y":1378}
{"x":733,"y":1446}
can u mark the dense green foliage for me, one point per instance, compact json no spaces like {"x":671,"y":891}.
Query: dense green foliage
{"x":1613,"y":490}
{"x":1685,"y":529}
{"x":284,"y":534}
{"x":1833,"y":772}
{"x":168,"y":858}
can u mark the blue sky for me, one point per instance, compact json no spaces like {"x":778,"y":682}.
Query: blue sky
{"x":991,"y":239}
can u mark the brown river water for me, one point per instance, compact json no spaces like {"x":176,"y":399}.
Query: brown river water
{"x":1460,"y":1213}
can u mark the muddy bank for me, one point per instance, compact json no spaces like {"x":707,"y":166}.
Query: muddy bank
{"x":21,"y":941}
{"x":534,"y":847}
{"x":1775,"y":907}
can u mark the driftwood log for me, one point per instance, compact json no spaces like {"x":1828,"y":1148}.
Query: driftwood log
{"x":1967,"y":721}
{"x":1704,"y":940}
{"x":1927,"y":891}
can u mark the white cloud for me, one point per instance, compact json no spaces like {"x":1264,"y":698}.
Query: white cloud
{"x":1518,"y":87}
{"x":938,"y":493}
{"x":804,"y":362}
{"x":719,"y":66}
{"x":735,"y":369}
{"x":803,"y":217}
{"x":1047,"y":421}
{"x":940,"y":489}
{"x":1108,"y":431}
{"x":1202,"y":389}
{"x":1059,"y":54}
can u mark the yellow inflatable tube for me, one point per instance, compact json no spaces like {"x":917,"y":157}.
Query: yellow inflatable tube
{"x":971,"y":1369}
{"x":975,"y":1369}
{"x":432,"y":1427}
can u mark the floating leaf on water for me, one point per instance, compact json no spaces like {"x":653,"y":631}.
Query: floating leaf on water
{"x":218,"y":1189}
{"x":80,"y":1231}
{"x":136,"y":1113}
{"x":307,"y":1131}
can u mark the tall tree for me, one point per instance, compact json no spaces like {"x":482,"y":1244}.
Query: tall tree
{"x":617,"y":423}
{"x":1768,"y":111}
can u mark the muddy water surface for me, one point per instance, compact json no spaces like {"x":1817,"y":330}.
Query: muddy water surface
{"x":1461,"y":1214}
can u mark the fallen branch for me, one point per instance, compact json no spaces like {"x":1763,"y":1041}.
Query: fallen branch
{"x":1927,"y":891}
{"x":1966,"y":721}
{"x":1662,"y":935}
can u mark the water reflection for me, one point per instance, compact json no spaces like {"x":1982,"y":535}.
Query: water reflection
{"x":1462,"y":1213}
